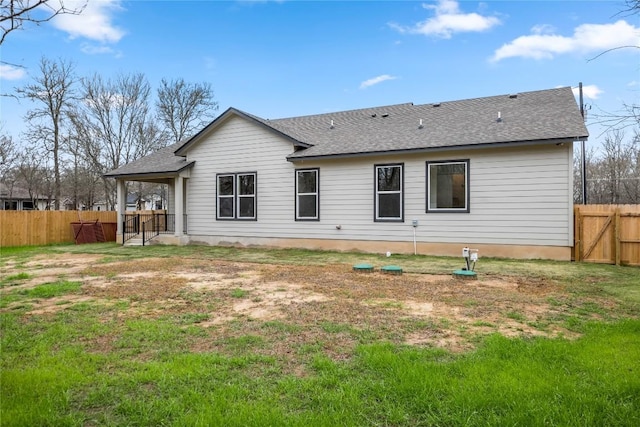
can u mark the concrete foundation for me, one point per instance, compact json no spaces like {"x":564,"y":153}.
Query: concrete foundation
{"x":443,"y":249}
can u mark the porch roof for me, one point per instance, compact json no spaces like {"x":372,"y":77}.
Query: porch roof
{"x":162,"y":163}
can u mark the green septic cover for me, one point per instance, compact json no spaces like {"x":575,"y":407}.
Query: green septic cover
{"x":392,"y":268}
{"x":363,"y":267}
{"x":464,"y":273}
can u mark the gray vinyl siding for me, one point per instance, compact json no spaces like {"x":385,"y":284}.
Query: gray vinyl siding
{"x":520,"y":196}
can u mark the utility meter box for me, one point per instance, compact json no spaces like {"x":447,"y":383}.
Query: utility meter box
{"x":414,"y":222}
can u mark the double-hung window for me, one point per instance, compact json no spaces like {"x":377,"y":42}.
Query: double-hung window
{"x":448,"y":186}
{"x":307,"y":194}
{"x":389,"y":198}
{"x":236,"y":196}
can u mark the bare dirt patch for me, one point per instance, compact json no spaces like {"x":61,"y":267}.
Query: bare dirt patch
{"x":297,"y":308}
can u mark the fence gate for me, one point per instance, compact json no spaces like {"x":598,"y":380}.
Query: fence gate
{"x":607,"y":234}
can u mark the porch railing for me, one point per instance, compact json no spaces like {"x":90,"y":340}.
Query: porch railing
{"x":150,"y":229}
{"x":148,"y":226}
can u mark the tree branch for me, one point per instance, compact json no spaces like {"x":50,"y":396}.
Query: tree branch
{"x":15,"y":13}
{"x":611,"y":50}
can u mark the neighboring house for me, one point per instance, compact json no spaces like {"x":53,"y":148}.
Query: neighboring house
{"x":99,"y":206}
{"x":70,"y":206}
{"x":147,"y":203}
{"x":16,"y":198}
{"x":492,"y":173}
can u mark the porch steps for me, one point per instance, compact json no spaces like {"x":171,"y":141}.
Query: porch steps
{"x":136,"y":241}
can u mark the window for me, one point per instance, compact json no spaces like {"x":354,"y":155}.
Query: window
{"x":389,"y":199}
{"x":236,"y":196}
{"x":448,"y":186}
{"x":10,"y":205}
{"x":27,"y":205}
{"x":307,"y":200}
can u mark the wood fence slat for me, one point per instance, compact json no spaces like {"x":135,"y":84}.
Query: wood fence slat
{"x":619,"y":244}
{"x":616,"y":236}
{"x":21,"y":228}
{"x":578,"y":235}
{"x":596,"y":240}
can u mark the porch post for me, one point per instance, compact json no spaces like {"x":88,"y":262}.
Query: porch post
{"x":179,"y":205}
{"x":121,"y":201}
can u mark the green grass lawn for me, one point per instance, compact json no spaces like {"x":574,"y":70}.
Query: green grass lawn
{"x":92,"y":363}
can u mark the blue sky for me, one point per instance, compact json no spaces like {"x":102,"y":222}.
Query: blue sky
{"x":286,"y":58}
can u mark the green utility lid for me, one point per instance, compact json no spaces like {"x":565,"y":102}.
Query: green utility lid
{"x":367,"y":268}
{"x":391,"y":269}
{"x":465,"y":274}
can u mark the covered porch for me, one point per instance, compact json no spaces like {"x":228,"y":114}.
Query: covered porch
{"x":139,"y":227}
{"x":168,"y":225}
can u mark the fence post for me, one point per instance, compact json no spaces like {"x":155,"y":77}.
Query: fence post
{"x":578,"y":232}
{"x":143,"y":233}
{"x":616,"y":233}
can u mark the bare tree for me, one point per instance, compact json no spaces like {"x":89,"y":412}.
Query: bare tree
{"x":53,"y":91}
{"x":14,"y":14}
{"x":115,"y":125}
{"x":614,"y":176}
{"x":8,"y":160}
{"x":82,"y":185}
{"x":32,"y":175}
{"x":577,"y":172}
{"x":183,"y":108}
{"x":81,"y":181}
{"x":8,"y":154}
{"x":631,"y":185}
{"x":629,"y":115}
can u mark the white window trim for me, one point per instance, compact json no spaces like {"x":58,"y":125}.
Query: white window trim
{"x":226,"y":196}
{"x":246,"y":196}
{"x":316,"y":194}
{"x":236,"y":196}
{"x":466,"y":208}
{"x":377,"y":192}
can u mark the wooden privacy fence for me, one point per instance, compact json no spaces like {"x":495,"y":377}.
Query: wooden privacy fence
{"x":19,"y":228}
{"x":607,"y":234}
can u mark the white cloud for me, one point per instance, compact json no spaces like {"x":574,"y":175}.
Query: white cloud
{"x":10,"y":72}
{"x":374,"y":81}
{"x":543,"y":29}
{"x":589,"y":91}
{"x":448,"y":20}
{"x":91,"y":49}
{"x":94,"y":22}
{"x":585,"y":38}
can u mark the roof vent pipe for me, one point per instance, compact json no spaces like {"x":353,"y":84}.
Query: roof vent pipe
{"x":332,"y":126}
{"x":499,"y":117}
{"x":420,"y":126}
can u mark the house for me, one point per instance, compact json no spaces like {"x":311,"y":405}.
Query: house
{"x":492,"y":173}
{"x":145,"y":203}
{"x":17,"y":198}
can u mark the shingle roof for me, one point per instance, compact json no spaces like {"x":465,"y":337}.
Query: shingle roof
{"x":163,"y":161}
{"x":546,"y":115}
{"x":531,"y":116}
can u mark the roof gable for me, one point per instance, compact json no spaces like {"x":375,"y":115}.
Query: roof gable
{"x":281,"y":131}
